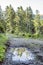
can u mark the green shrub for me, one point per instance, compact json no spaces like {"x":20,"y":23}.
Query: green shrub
{"x":3,"y":40}
{"x":2,"y":52}
{"x":35,"y":35}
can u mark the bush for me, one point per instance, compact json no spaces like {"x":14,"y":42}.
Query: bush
{"x":3,"y":40}
{"x":35,"y":35}
{"x":28,"y":35}
{"x":2,"y":52}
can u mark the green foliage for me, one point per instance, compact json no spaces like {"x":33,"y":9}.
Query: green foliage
{"x":10,"y":14}
{"x":2,"y":26}
{"x":23,"y":23}
{"x":41,"y":27}
{"x":2,"y":52}
{"x":37,"y":22}
{"x":3,"y":40}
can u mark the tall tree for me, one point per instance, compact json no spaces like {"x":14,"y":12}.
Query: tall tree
{"x":10,"y":14}
{"x":41,"y":27}
{"x":29,"y":16}
{"x":16,"y":23}
{"x":1,"y":13}
{"x":21,"y":15}
{"x":37,"y":22}
{"x":2,"y":22}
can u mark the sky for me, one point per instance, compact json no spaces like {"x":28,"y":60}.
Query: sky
{"x":35,"y":4}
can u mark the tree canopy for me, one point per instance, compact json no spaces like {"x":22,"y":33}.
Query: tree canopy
{"x":23,"y":21}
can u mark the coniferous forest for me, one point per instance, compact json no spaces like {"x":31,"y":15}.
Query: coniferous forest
{"x":21,"y":22}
